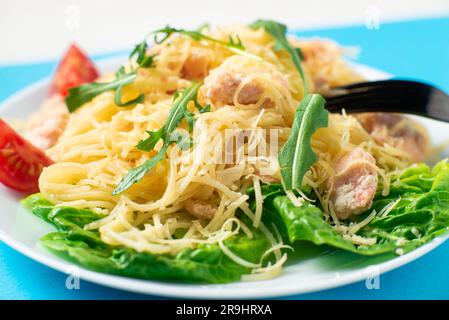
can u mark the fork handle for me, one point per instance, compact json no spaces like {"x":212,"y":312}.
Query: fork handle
{"x":390,"y":96}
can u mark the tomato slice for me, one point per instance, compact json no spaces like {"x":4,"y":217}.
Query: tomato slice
{"x":21,"y":163}
{"x":74,"y":69}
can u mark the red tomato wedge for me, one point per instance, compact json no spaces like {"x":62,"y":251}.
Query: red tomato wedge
{"x":21,"y":163}
{"x":74,"y":69}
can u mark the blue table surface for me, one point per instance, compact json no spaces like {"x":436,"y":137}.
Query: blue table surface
{"x":413,"y":49}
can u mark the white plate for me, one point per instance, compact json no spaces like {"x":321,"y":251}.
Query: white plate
{"x":309,"y":269}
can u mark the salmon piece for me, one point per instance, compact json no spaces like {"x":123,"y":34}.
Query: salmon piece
{"x":196,"y":66}
{"x":48,"y":123}
{"x":355,"y":183}
{"x":397,"y":131}
{"x":222,"y":83}
{"x":323,"y":59}
{"x":319,"y":49}
{"x":200,"y":209}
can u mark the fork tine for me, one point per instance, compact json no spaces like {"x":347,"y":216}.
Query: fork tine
{"x":389,"y":95}
{"x":386,"y":84}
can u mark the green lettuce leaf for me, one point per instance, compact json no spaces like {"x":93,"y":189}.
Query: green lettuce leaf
{"x":420,"y":215}
{"x":205,"y":263}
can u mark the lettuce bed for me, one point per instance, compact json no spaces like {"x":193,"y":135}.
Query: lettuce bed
{"x":206,"y":263}
{"x":421,"y":214}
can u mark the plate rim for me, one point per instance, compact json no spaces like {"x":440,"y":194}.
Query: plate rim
{"x":208,"y":291}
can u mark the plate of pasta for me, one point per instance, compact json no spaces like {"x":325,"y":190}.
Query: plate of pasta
{"x":206,"y":165}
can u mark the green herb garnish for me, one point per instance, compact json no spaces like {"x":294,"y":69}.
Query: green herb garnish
{"x":297,"y":156}
{"x":80,"y":95}
{"x":120,"y":74}
{"x":278,"y":32}
{"x":177,"y":113}
{"x":142,"y":59}
{"x":84,"y":93}
{"x":233,"y":44}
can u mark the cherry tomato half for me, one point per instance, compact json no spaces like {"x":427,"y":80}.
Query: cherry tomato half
{"x":74,"y":69}
{"x":21,"y":163}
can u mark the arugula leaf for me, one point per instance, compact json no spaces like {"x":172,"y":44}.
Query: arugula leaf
{"x":80,"y":95}
{"x":234,"y":45}
{"x":420,"y":215}
{"x":177,"y":113}
{"x":142,"y":59}
{"x":278,"y":32}
{"x":136,"y":174}
{"x":297,"y":156}
{"x":205,"y":263}
{"x":120,"y":74}
{"x":153,"y":138}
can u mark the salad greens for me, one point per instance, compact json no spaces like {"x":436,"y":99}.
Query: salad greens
{"x":206,"y":263}
{"x":177,"y":113}
{"x":420,"y":212}
{"x":297,"y":156}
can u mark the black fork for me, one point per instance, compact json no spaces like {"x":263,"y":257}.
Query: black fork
{"x":390,"y":96}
